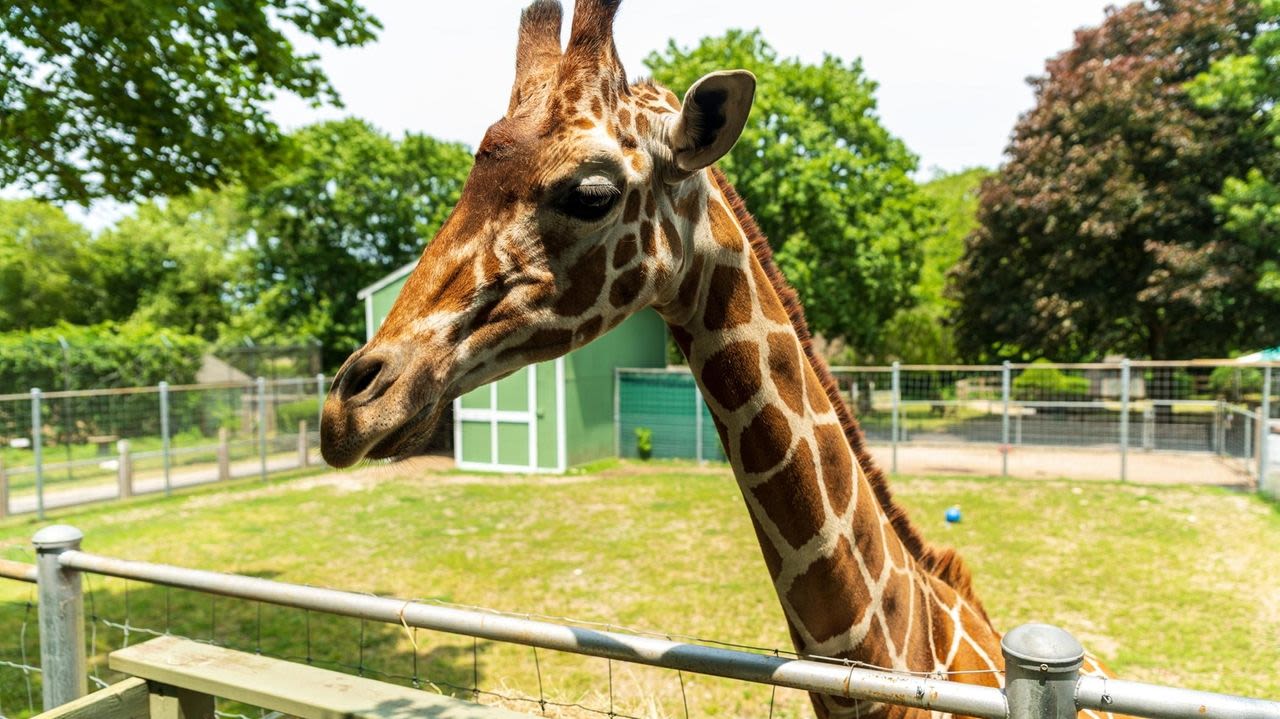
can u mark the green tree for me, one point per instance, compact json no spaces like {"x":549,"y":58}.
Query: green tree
{"x":828,"y":184}
{"x":923,"y":334}
{"x":45,"y":271}
{"x":182,"y":263}
{"x":119,"y":98}
{"x":1249,"y":205}
{"x":351,"y":205}
{"x":1098,"y":236}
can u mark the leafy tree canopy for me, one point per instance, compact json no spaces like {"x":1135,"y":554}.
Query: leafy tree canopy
{"x":1098,"y":235}
{"x":350,"y":205}
{"x":45,"y":272}
{"x":182,"y":263}
{"x":922,"y":334}
{"x":1249,"y":205}
{"x":126,"y":99}
{"x":827,"y":183}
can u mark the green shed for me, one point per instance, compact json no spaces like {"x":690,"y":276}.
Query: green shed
{"x":547,"y":417}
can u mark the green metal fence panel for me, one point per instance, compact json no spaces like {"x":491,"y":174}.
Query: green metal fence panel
{"x":663,"y":403}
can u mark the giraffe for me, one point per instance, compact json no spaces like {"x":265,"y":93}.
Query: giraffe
{"x":593,"y":198}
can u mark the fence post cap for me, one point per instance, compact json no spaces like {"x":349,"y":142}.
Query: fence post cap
{"x":1042,"y":647}
{"x":57,"y":537}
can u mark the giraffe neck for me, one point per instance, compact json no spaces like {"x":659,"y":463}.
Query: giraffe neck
{"x":848,"y":584}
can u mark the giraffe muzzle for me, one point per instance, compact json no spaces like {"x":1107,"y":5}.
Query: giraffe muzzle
{"x":378,"y":407}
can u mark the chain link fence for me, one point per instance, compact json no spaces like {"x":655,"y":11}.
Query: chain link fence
{"x":1121,"y":414}
{"x":61,"y":449}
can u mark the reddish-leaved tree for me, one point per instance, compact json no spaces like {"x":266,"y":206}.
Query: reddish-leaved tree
{"x":1098,"y":236}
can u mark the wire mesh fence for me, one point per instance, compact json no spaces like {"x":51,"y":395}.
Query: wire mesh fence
{"x":1125,"y":410}
{"x":19,"y":637}
{"x":121,"y":612}
{"x":65,"y":448}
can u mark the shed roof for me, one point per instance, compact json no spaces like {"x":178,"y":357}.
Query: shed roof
{"x":397,"y":274}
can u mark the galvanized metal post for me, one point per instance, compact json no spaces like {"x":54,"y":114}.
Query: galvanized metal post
{"x":1264,"y":419}
{"x":1248,"y":438}
{"x":164,"y":435}
{"x":1124,"y":419}
{"x":124,"y":470}
{"x":61,"y":614}
{"x":320,"y":400}
{"x":617,"y":412}
{"x":262,"y":426}
{"x":1042,"y":664}
{"x":1216,"y":436}
{"x":4,"y":491}
{"x":1006,"y":372}
{"x":896,"y":389}
{"x":37,"y":449}
{"x":697,"y":422}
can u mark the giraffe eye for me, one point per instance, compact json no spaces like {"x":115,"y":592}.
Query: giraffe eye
{"x":590,"y":199}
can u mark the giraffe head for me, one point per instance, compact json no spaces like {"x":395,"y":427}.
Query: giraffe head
{"x":563,"y":229}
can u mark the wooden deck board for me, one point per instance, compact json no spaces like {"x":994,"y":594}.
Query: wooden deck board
{"x":294,"y":689}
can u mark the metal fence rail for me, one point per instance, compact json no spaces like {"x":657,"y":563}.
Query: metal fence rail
{"x":66,"y":448}
{"x":1127,"y":408}
{"x":1042,"y":679}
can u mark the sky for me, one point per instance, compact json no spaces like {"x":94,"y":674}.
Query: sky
{"x":952,"y":76}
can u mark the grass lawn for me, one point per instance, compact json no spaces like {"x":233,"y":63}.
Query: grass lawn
{"x":1175,"y":585}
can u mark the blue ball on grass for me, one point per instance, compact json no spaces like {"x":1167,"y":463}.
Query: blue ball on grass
{"x":953,"y":514}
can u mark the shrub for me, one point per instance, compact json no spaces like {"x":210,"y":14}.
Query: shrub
{"x":98,"y":356}
{"x":644,"y":442}
{"x":1235,"y":382}
{"x":290,"y":413}
{"x":1042,"y":381}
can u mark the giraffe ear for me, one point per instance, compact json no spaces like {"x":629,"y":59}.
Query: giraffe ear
{"x":715,"y":111}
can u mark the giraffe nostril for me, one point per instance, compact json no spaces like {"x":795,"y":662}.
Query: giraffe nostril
{"x":360,"y":377}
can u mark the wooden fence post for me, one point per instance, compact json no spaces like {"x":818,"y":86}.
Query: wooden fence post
{"x":224,"y":455}
{"x":124,"y":472}
{"x":303,"y":460}
{"x":4,"y":491}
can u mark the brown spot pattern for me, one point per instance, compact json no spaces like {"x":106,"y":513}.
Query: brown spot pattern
{"x":684,"y":341}
{"x":894,"y":602}
{"x":672,"y":237}
{"x":728,"y":299}
{"x":588,"y":330}
{"x":723,"y":230}
{"x":784,"y":369}
{"x":627,"y":286}
{"x":690,"y":205}
{"x":829,"y":582}
{"x":765,"y":441}
{"x":646,"y":239}
{"x":650,"y":204}
{"x":837,"y":466}
{"x":732,"y":375}
{"x":689,"y":285}
{"x":642,"y":123}
{"x":542,"y":345}
{"x":625,"y":250}
{"x":586,"y":279}
{"x":791,"y":499}
{"x":631,"y":212}
{"x":818,"y":400}
{"x":772,"y":559}
{"x":769,"y":302}
{"x":866,"y":533}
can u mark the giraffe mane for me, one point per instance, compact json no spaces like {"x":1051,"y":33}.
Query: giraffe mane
{"x":942,"y":562}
